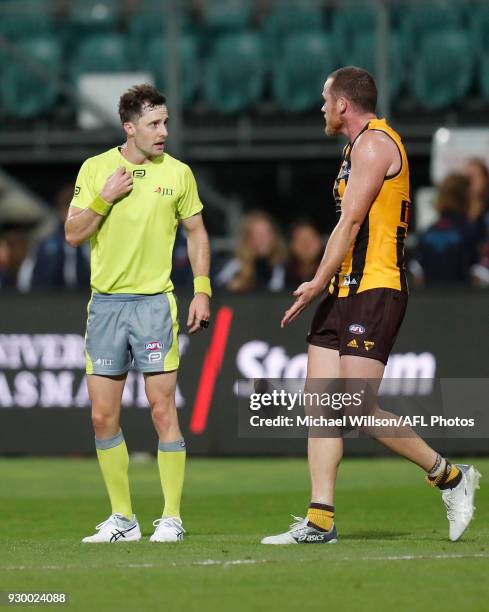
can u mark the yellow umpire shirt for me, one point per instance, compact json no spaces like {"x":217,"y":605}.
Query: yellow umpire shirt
{"x":131,"y":252}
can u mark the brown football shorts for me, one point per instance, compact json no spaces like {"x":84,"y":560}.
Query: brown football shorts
{"x":365,"y":324}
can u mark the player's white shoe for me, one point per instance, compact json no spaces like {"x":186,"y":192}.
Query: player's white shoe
{"x":168,"y":529}
{"x":115,"y":529}
{"x":459,"y":501}
{"x":301,"y":533}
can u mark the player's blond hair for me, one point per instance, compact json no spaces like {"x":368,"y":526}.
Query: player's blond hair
{"x":453,"y":194}
{"x":245,"y":279}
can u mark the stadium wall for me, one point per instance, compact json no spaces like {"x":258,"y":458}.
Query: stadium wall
{"x":44,"y":407}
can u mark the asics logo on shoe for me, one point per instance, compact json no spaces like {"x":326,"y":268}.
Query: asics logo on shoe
{"x":118,"y":533}
{"x":311,"y":538}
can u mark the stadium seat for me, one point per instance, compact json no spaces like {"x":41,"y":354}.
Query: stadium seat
{"x":349,"y":23}
{"x":24,"y":93}
{"x":299,"y":76}
{"x":424,"y":20}
{"x":149,"y":23}
{"x":101,"y":53}
{"x":363,"y":55}
{"x":143,"y":28}
{"x":483,"y":76}
{"x":227,"y":15}
{"x":285,"y":20}
{"x":91,"y":16}
{"x":26,"y":19}
{"x":480,"y":28}
{"x":235,"y":73}
{"x":443,"y":69}
{"x":157,"y":52}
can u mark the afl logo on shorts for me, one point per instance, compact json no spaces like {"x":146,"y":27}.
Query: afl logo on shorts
{"x":153,"y":346}
{"x":356,"y":328}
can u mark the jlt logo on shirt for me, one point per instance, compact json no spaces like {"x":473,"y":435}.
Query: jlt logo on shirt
{"x":164,"y":191}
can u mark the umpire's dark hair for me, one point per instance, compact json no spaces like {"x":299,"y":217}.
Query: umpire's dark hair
{"x":357,"y":85}
{"x":133,"y":101}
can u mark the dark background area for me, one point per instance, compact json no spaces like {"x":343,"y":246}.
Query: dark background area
{"x":287,"y":189}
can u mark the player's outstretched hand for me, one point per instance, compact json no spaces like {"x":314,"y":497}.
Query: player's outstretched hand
{"x":199,"y":313}
{"x":305,"y":294}
{"x":117,"y":185}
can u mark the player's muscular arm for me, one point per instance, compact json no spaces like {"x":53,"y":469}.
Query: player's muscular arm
{"x":199,"y":254}
{"x":373,"y":157}
{"x":82,"y":223}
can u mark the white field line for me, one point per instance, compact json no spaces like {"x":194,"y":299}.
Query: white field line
{"x":231,"y":562}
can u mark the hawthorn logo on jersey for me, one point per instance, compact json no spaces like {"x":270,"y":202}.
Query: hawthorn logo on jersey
{"x":153,"y":346}
{"x":344,"y":171}
{"x":356,"y":328}
{"x":368,"y":344}
{"x":164,"y":191}
{"x":139,"y":173}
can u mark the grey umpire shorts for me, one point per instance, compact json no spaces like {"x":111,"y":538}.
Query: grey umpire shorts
{"x":122,"y":328}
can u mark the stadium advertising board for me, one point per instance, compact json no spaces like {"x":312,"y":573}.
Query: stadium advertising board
{"x":43,"y":389}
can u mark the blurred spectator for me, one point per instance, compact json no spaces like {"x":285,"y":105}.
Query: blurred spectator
{"x":14,"y":246}
{"x":480,"y":270}
{"x":448,"y":248}
{"x":259,"y":262}
{"x":54,"y":264}
{"x":478,"y":174}
{"x":305,"y":253}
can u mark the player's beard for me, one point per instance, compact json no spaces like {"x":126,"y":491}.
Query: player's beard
{"x":332,"y":127}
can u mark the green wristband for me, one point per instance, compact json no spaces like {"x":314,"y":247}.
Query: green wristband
{"x":100,"y":206}
{"x":202,"y":284}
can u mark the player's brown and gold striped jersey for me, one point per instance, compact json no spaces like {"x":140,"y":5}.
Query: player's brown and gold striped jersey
{"x":376,"y":258}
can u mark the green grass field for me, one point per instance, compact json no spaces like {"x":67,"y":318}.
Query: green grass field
{"x":393,"y":553}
